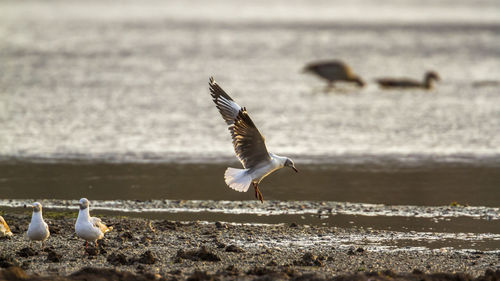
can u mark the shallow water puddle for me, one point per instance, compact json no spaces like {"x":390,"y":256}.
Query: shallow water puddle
{"x":386,"y":241}
{"x":377,"y":226}
{"x":323,"y":209}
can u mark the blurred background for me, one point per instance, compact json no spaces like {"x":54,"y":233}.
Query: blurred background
{"x":109,"y":99}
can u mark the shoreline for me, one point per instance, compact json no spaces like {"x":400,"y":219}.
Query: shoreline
{"x":172,"y":249}
{"x":421,"y":187}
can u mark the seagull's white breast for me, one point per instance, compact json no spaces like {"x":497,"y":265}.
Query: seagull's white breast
{"x":261,"y":171}
{"x":38,"y":230}
{"x":87,"y":231}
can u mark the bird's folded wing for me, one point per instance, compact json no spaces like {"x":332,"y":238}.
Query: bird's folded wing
{"x":6,"y":227}
{"x":96,"y":222}
{"x":248,"y":143}
{"x":227,"y":107}
{"x":397,"y":82}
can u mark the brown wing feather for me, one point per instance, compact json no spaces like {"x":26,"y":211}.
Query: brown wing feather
{"x":225,"y":104}
{"x":398,"y":82}
{"x":216,"y":90}
{"x":248,"y":143}
{"x":4,"y":223}
{"x":331,"y":70}
{"x":97,"y":222}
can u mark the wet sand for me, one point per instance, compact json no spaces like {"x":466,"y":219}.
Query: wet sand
{"x":178,"y":250}
{"x":395,"y":184}
{"x":457,"y":226}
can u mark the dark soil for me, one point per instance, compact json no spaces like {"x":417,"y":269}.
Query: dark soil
{"x":88,"y":273}
{"x":139,"y":249}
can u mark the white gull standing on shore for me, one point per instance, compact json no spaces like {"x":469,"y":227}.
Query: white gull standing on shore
{"x":38,"y":230}
{"x":89,"y":228}
{"x":248,"y":144}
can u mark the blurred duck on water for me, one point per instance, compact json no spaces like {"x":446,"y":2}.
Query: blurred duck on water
{"x":333,"y":71}
{"x":429,"y":77}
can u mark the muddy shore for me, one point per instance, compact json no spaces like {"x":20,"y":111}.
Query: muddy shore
{"x":180,"y":250}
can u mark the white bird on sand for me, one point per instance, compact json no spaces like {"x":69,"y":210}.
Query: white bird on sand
{"x":38,"y":230}
{"x":4,"y":228}
{"x":248,"y":144}
{"x":89,"y":228}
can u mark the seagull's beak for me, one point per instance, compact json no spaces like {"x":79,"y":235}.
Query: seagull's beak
{"x":295,"y":169}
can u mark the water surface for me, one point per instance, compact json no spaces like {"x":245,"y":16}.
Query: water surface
{"x":99,"y":80}
{"x":110,"y":101}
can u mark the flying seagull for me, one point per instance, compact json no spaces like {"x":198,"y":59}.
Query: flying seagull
{"x":248,"y":144}
{"x":89,"y":228}
{"x":38,"y":230}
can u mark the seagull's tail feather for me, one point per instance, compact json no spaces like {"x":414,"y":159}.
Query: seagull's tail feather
{"x":237,"y":179}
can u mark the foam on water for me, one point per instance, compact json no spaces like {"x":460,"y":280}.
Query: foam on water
{"x":269,"y":208}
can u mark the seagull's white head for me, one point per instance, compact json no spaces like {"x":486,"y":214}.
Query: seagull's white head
{"x":289,"y":163}
{"x":84,"y":203}
{"x":37,"y":207}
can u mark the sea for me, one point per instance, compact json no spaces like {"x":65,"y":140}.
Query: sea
{"x":109,"y":100}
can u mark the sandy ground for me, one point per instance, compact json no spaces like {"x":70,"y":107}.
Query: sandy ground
{"x":180,"y":250}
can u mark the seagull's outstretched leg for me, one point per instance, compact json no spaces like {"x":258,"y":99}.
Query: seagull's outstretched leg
{"x":258,"y":194}
{"x":261,"y":198}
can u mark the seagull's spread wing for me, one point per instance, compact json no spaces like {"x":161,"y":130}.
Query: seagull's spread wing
{"x":247,"y":141}
{"x":227,"y":107}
